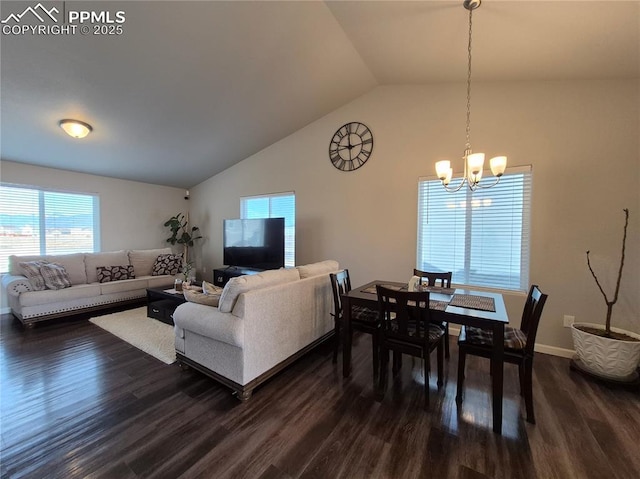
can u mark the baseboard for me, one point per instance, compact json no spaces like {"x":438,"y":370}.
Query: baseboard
{"x":454,"y":330}
{"x":554,"y":351}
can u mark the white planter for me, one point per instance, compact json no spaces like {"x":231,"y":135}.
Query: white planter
{"x":610,"y":358}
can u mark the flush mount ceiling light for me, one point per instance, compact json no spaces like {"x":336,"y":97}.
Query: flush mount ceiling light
{"x":473,"y":162}
{"x":75,"y":128}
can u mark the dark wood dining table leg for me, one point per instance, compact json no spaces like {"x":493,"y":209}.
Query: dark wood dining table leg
{"x":497,"y":372}
{"x":346,"y":336}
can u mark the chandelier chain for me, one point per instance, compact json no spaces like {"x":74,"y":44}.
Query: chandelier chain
{"x":468,"y":143}
{"x":473,"y":163}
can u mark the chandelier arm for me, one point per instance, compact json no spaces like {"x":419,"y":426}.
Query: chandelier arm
{"x":479,"y":185}
{"x":463,"y":180}
{"x":457,"y":188}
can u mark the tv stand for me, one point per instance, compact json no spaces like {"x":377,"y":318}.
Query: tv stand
{"x":223,"y":274}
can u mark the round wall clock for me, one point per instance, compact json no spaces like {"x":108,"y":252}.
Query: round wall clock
{"x":351,"y":146}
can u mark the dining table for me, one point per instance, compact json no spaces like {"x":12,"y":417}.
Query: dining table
{"x":462,"y":306}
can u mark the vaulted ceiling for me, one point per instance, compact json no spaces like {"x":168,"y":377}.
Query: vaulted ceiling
{"x":190,"y":88}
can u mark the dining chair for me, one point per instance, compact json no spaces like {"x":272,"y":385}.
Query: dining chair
{"x":443,"y":280}
{"x":406,"y":329}
{"x":518,"y":347}
{"x":362,"y":318}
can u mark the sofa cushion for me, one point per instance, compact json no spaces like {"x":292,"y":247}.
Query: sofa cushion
{"x":31,"y":269}
{"x":73,"y":265}
{"x":55,"y":276}
{"x":123,"y":285}
{"x":167,"y":264}
{"x":36,"y":298}
{"x":160,"y":281}
{"x":143,"y":260}
{"x":14,"y":262}
{"x":112,"y":258}
{"x":114,"y":273}
{"x":315,"y":269}
{"x":209,"y":322}
{"x":241,"y":284}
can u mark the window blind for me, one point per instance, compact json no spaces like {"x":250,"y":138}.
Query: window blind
{"x":36,"y":222}
{"x":481,"y":236}
{"x":278,"y":205}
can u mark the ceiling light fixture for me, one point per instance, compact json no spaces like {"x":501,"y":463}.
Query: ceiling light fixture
{"x":75,"y":128}
{"x":473,"y":162}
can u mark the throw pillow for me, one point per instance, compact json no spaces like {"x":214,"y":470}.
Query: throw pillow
{"x":241,"y":284}
{"x":31,"y":270}
{"x":187,"y":285}
{"x":107,"y":274}
{"x":208,"y":288}
{"x":201,"y":298}
{"x":55,"y":276}
{"x":167,"y":264}
{"x":315,"y":269}
{"x":144,"y":259}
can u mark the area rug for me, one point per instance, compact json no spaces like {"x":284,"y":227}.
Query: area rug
{"x":133,"y":326}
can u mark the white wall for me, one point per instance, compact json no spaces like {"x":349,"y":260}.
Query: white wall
{"x":580,"y":137}
{"x":132,"y":214}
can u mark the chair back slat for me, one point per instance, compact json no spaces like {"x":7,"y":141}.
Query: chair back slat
{"x":404,"y":314}
{"x":340,"y":284}
{"x":531,"y":315}
{"x":433,"y":278}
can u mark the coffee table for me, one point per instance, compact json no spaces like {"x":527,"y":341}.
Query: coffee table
{"x":161,"y":304}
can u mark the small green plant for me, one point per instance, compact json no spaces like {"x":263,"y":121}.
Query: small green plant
{"x":611,"y":302}
{"x":181,"y":233}
{"x":187,"y":267}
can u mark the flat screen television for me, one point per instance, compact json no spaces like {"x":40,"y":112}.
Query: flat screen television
{"x":254,"y":243}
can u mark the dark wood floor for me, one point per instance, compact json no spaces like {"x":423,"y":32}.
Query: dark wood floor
{"x":78,"y":402}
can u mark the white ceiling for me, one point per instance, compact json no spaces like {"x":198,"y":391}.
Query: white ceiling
{"x":190,"y":88}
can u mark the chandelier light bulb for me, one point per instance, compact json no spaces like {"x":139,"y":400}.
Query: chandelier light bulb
{"x":442,"y":168}
{"x":447,"y":179}
{"x":475,"y":163}
{"x":498,"y":165}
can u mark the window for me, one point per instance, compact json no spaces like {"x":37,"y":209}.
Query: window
{"x":278,"y":205}
{"x":36,"y":221}
{"x":481,"y":236}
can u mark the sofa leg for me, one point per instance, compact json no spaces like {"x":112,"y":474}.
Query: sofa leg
{"x":243,"y":396}
{"x":183,"y":366}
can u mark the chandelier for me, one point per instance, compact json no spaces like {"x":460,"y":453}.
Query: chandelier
{"x":473,"y":162}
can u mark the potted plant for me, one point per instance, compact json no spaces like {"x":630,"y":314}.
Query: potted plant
{"x":608,"y":352}
{"x":181,"y":233}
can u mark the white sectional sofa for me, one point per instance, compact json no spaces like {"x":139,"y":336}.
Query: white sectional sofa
{"x":85,"y":293}
{"x":263,"y":323}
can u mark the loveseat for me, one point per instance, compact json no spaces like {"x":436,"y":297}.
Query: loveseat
{"x":83,"y":282}
{"x":263,"y":323}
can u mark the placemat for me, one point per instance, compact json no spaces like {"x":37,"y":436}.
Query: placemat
{"x":438,"y":305}
{"x":372,"y":289}
{"x":438,"y":289}
{"x":472,"y":301}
